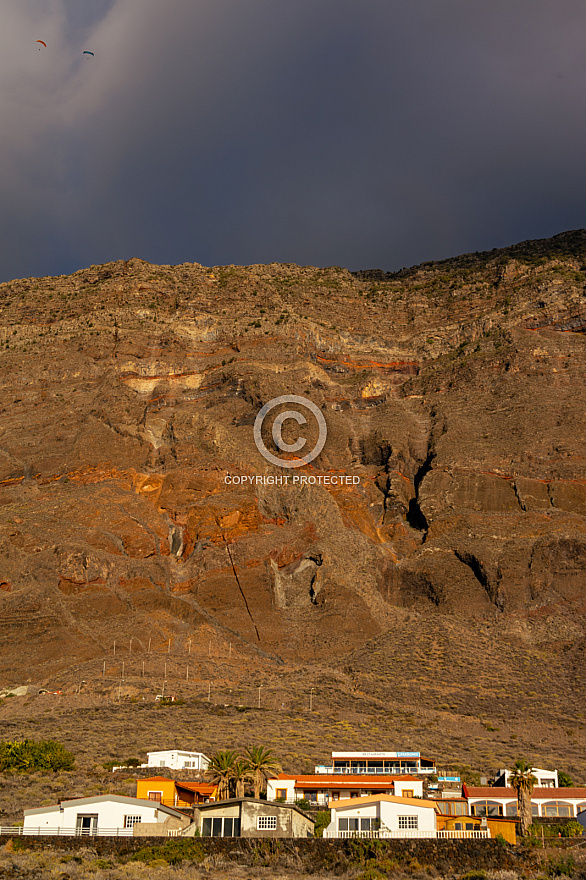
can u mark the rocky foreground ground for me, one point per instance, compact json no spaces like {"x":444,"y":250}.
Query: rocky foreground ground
{"x":438,"y":600}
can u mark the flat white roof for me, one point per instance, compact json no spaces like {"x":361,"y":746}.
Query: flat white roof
{"x":176,"y":752}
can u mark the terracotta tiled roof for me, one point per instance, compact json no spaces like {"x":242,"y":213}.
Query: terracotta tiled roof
{"x":358,"y":780}
{"x":499,"y":791}
{"x":201,"y":787}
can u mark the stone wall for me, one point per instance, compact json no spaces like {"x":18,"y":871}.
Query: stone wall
{"x":334,"y":856}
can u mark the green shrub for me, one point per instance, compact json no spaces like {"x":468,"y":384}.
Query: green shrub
{"x":571,"y":829}
{"x":322,"y":820}
{"x":28,"y":756}
{"x":173,"y":851}
{"x":302,"y":803}
{"x":561,"y":867}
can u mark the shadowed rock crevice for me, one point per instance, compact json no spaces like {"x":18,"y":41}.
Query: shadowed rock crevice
{"x":415,"y":516}
{"x":480,"y":572}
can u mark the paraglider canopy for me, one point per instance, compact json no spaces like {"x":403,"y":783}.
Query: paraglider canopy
{"x":43,"y":42}
{"x":87,"y":52}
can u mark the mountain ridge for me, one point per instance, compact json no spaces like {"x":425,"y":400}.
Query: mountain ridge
{"x":455,"y":393}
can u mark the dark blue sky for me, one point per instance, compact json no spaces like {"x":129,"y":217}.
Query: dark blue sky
{"x":359,"y":133}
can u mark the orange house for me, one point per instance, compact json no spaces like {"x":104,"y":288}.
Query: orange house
{"x":172,"y":793}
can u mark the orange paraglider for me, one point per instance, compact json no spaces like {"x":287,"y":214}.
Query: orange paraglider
{"x":43,"y":42}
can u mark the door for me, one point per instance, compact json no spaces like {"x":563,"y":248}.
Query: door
{"x":87,"y":824}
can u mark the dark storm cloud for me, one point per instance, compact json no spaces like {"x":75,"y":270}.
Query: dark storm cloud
{"x":351,"y":132}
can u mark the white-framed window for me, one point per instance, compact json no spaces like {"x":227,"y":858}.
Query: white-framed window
{"x":266,"y":823}
{"x":155,"y":796}
{"x":130,"y":821}
{"x":408,"y":822}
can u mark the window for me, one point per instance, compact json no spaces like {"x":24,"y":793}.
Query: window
{"x":487,"y":808}
{"x":407,"y":792}
{"x":557,"y":808}
{"x":155,"y":796}
{"x":130,"y":821}
{"x":470,"y":826}
{"x":282,"y":793}
{"x":408,"y":822}
{"x":369,"y":824}
{"x":266,"y":823}
{"x":511,"y":809}
{"x":457,"y":826}
{"x":348,"y":824}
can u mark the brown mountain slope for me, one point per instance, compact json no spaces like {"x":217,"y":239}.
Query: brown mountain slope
{"x":454,"y":391}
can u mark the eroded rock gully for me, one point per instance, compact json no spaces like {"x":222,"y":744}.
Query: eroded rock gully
{"x":454,"y":390}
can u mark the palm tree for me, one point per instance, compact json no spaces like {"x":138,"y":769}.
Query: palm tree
{"x":220,"y":771}
{"x":523,"y":780}
{"x":261,"y":764}
{"x":241,"y":774}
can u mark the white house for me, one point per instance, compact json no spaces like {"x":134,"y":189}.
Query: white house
{"x":377,"y":763}
{"x":545,"y":778}
{"x":382,"y":815}
{"x":108,"y":814}
{"x":546,"y":802}
{"x":177,"y":760}
{"x":319,"y":789}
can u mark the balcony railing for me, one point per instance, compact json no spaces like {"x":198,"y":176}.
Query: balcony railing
{"x":408,"y":832}
{"x":372,"y":771}
{"x":65,"y":832}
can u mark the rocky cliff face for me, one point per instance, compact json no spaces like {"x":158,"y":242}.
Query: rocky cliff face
{"x":454,"y":391}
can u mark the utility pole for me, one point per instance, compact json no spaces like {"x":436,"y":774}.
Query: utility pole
{"x":114,"y":648}
{"x":230,"y":650}
{"x":123,"y":670}
{"x":189,"y":652}
{"x":187,"y":674}
{"x":143,"y":668}
{"x":311,"y":699}
{"x":209,"y":690}
{"x":259,"y":688}
{"x":130,"y":651}
{"x":149,"y":649}
{"x":165,"y":670}
{"x":169,"y":647}
{"x":104,"y":670}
